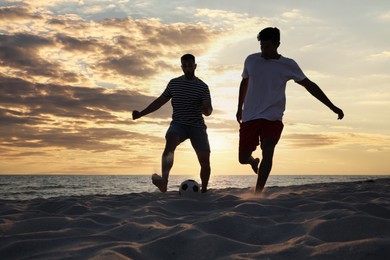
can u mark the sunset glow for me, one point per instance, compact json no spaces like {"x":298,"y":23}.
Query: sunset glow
{"x":71,"y":72}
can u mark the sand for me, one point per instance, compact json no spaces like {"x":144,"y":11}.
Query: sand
{"x":316,"y":221}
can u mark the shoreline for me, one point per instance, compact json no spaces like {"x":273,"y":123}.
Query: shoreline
{"x":30,"y":187}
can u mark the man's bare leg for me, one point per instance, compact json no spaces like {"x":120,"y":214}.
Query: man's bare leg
{"x":205,"y":169}
{"x":268,"y":148}
{"x":245,"y":157}
{"x":166,"y":163}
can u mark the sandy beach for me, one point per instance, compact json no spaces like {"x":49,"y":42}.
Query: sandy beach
{"x":315,"y":221}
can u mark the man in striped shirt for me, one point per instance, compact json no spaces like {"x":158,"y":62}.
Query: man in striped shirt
{"x":190,"y":98}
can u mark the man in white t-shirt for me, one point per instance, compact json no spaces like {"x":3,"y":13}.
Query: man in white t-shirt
{"x":262,"y":101}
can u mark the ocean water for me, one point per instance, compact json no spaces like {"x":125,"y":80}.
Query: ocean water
{"x":25,"y":187}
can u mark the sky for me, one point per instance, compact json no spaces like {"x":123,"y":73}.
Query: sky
{"x":71,"y":73}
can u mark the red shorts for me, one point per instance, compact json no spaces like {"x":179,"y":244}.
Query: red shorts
{"x":252,"y":131}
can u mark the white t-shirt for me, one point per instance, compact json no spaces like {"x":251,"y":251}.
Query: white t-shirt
{"x":266,"y":94}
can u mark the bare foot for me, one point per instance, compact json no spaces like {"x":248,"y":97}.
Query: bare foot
{"x":159,"y":182}
{"x":255,"y":165}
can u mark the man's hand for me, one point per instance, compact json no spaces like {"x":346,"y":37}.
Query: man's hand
{"x":339,"y":112}
{"x":206,"y":107}
{"x":239,"y":116}
{"x":136,"y":114}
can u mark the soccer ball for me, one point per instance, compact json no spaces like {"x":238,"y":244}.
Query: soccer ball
{"x":189,"y":188}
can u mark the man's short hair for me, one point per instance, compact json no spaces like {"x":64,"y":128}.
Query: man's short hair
{"x":188,"y":57}
{"x":269,"y":33}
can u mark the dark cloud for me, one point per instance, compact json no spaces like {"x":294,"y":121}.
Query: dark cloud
{"x":44,"y":137}
{"x":13,"y":13}
{"x":40,"y":106}
{"x":130,"y":65}
{"x":25,"y":134}
{"x":82,"y":138}
{"x":68,"y":101}
{"x":74,"y":44}
{"x":12,"y":117}
{"x":184,"y":35}
{"x":56,"y":21}
{"x":144,"y":46}
{"x":46,"y":115}
{"x":26,"y":154}
{"x":20,"y":51}
{"x":135,"y":65}
{"x":23,"y":40}
{"x":141,"y":50}
{"x":158,"y":34}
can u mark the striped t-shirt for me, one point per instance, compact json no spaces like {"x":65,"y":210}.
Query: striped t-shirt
{"x":186,"y":99}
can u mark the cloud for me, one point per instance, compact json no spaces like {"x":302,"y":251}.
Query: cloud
{"x":311,"y":140}
{"x":95,"y":139}
{"x":70,"y":77}
{"x":49,"y":96}
{"x":384,"y":55}
{"x":65,"y":48}
{"x":21,"y":52}
{"x":45,"y":3}
{"x":49,"y":115}
{"x":293,"y":14}
{"x":74,"y":44}
{"x":234,"y":25}
{"x":75,"y":136}
{"x":68,"y":101}
{"x":344,"y":140}
{"x":156,"y":39}
{"x":135,"y":65}
{"x":17,"y":12}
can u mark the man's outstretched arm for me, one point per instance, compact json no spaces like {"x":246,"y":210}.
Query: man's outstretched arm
{"x":315,"y":90}
{"x":155,"y":105}
{"x":241,"y":98}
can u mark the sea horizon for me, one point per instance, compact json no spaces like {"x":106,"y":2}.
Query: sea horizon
{"x":32,"y":186}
